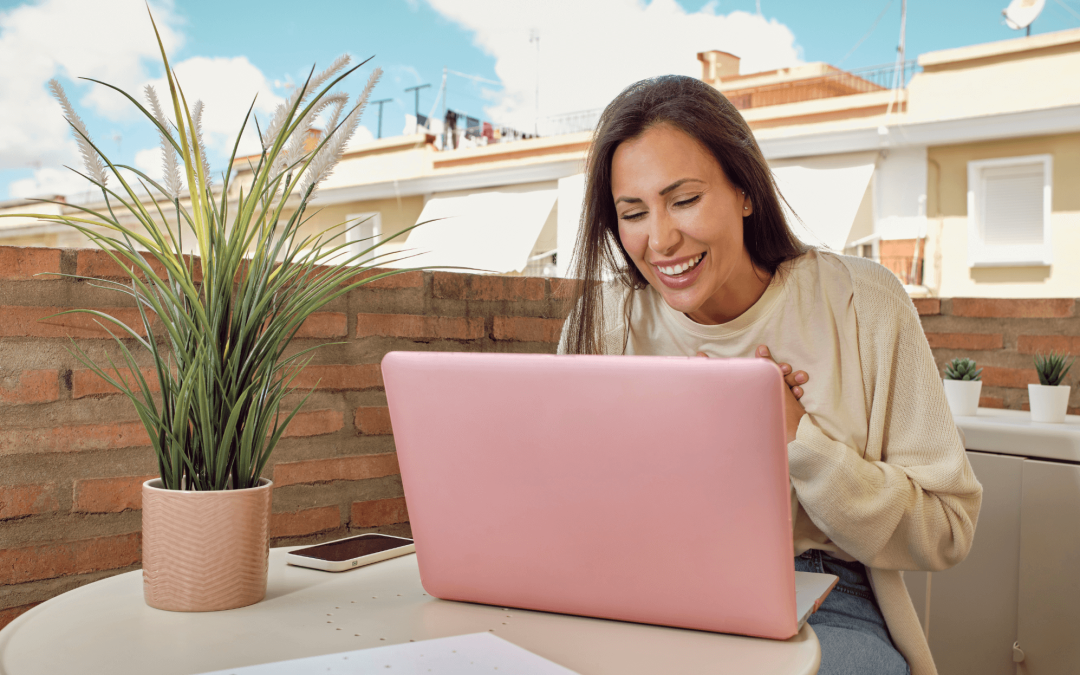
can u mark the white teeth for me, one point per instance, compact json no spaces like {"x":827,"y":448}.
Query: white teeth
{"x":679,"y":269}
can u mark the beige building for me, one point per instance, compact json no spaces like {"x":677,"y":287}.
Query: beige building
{"x":964,"y":182}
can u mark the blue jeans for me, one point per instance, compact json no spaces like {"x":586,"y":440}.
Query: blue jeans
{"x":849,"y":624}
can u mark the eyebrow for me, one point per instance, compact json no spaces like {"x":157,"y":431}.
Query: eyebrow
{"x":676,"y":184}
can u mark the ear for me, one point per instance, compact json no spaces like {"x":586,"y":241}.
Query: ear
{"x":747,"y":205}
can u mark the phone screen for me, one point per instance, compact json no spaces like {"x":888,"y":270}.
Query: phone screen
{"x":353,"y":547}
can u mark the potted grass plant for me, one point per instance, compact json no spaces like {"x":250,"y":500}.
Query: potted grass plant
{"x":1049,"y":400}
{"x":217,"y":327}
{"x":963,"y":385}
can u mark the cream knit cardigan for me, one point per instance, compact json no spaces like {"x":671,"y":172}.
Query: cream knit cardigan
{"x":908,"y":500}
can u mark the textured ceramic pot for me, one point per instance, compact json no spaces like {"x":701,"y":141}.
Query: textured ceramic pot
{"x":205,"y":551}
{"x":963,"y":396}
{"x":1048,"y":404}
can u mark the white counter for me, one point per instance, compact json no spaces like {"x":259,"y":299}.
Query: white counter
{"x":1011,"y":432}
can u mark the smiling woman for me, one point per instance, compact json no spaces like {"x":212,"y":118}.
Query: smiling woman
{"x":682,"y":213}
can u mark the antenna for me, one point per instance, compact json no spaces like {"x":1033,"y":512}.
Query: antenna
{"x":380,"y":104}
{"x":534,"y":36}
{"x":1021,"y":13}
{"x":417,"y":89}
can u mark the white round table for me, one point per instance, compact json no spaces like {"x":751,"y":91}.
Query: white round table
{"x":105,"y":627}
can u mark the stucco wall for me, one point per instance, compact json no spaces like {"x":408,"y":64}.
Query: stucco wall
{"x":947,"y":214}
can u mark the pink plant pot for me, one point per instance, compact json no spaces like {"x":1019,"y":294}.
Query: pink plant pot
{"x":205,"y":551}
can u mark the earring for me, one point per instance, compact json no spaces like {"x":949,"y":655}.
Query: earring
{"x":746,"y":208}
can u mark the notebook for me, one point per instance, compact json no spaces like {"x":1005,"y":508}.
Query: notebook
{"x":635,"y":488}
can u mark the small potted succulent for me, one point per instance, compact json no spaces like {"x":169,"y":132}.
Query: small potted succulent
{"x":963,"y":384}
{"x":1050,"y":398}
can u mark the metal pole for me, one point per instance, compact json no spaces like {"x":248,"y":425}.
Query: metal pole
{"x":534,"y":36}
{"x":417,"y":90}
{"x":380,"y":104}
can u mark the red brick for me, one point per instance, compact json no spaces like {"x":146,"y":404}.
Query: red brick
{"x":564,"y":289}
{"x":359,"y":467}
{"x":419,"y":327}
{"x":27,"y":322}
{"x":17,"y":501}
{"x":72,"y":438}
{"x":373,"y":421}
{"x":315,"y":423}
{"x":109,"y":495}
{"x":97,"y":263}
{"x":21,"y":264}
{"x":308,"y":521}
{"x":30,"y":386}
{"x":991,"y":402}
{"x":527,"y":329}
{"x":972,"y":341}
{"x":340,"y":377}
{"x":1030,"y":308}
{"x":927,"y":306}
{"x":1016,"y":378}
{"x":457,"y":286}
{"x":1044,"y":344}
{"x":48,"y":561}
{"x":11,"y":613}
{"x":85,"y":382}
{"x":379,"y":512}
{"x":324,"y":325}
{"x":413,"y":279}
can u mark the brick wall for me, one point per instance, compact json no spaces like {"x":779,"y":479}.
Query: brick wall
{"x":73,"y":454}
{"x":1002,"y":336}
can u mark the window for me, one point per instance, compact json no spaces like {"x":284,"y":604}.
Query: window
{"x":1009,"y":211}
{"x":365,"y":231}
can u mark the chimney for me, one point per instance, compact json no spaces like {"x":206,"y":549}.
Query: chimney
{"x":716,"y":65}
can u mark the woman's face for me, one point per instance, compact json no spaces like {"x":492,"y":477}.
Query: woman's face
{"x":681,"y":222}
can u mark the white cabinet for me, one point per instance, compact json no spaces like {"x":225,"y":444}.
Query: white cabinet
{"x":1021,"y":580}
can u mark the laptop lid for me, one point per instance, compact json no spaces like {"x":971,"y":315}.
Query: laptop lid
{"x":646,"y":489}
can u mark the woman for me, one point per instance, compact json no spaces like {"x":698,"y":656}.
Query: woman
{"x":681,"y":208}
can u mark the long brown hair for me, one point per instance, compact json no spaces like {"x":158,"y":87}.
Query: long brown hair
{"x":702,"y":112}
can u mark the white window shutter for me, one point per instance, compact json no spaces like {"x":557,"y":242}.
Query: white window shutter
{"x":1013,"y":205}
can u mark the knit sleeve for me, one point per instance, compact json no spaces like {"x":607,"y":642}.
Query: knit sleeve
{"x":909,"y":500}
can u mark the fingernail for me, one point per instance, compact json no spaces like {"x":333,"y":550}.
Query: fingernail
{"x":797,"y":391}
{"x":785,"y":369}
{"x":800,"y":378}
{"x":763,"y":351}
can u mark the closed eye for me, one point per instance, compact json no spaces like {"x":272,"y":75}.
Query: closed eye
{"x":634,"y":216}
{"x":688,"y":202}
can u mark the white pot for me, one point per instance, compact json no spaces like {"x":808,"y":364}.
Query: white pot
{"x":963,"y":396}
{"x":1048,"y":404}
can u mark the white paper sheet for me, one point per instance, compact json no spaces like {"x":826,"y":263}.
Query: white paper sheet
{"x":457,"y":655}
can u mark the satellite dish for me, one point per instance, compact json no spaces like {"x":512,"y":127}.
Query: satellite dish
{"x":1020,"y":13}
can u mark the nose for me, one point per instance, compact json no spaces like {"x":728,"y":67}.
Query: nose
{"x":664,"y":236}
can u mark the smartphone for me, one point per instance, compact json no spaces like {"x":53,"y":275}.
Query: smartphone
{"x":345,"y":554}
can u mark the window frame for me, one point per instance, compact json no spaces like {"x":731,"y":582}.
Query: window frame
{"x":352,"y":236}
{"x":981,"y":254}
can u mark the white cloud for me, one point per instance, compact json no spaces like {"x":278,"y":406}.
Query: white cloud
{"x":108,"y":40}
{"x":48,"y":182}
{"x":591,"y":50}
{"x":226,"y":87}
{"x":149,"y":161}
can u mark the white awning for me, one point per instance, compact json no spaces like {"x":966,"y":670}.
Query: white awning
{"x":488,"y":231}
{"x":825,"y":192}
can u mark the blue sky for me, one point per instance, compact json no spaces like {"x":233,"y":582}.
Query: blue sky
{"x":589,"y":49}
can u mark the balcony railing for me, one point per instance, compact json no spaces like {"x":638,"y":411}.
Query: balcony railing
{"x":838,"y":83}
{"x":902,"y":267}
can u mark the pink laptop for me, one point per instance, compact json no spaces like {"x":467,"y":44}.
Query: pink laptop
{"x":645,"y":489}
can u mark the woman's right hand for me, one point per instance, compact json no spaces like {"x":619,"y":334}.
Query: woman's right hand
{"x":793,"y":380}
